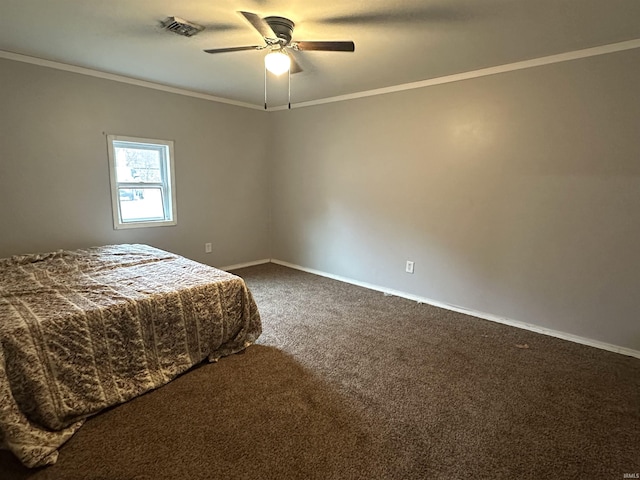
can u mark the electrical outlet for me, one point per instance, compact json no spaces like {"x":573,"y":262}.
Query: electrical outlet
{"x":409,"y":267}
{"x":207,"y":248}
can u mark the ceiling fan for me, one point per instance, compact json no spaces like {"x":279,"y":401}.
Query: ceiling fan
{"x":277,"y":33}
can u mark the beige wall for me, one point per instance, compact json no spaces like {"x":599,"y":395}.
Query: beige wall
{"x":54,"y":177}
{"x":517,"y":195}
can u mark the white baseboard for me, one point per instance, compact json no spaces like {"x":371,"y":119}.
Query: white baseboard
{"x":244,"y":265}
{"x":485,"y":316}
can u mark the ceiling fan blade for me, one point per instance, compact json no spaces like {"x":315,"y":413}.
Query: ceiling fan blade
{"x":259,"y":24}
{"x":327,"y":46}
{"x":295,"y":66}
{"x":232,"y":49}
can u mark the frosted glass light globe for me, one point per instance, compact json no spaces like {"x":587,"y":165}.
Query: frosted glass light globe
{"x":277,"y":62}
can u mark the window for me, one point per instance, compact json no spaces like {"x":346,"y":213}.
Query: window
{"x":142,"y":185}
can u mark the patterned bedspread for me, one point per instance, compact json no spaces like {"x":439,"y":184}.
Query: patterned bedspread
{"x":87,"y":329}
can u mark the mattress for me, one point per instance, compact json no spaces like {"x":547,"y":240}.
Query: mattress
{"x":87,"y":329}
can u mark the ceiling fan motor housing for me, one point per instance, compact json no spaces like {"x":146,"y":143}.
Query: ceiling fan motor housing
{"x":282,"y":27}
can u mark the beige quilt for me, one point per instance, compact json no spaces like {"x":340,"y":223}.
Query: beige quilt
{"x":87,"y":329}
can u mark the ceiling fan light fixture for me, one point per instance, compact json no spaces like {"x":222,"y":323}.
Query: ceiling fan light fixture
{"x":277,"y":62}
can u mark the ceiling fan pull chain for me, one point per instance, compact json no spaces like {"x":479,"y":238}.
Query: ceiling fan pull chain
{"x":289,"y":89}
{"x":265,"y":87}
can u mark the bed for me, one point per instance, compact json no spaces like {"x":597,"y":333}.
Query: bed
{"x":87,"y":329}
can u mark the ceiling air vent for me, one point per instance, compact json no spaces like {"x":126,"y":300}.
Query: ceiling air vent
{"x":181,"y":27}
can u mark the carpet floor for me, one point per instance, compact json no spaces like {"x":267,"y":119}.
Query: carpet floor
{"x":348,"y":383}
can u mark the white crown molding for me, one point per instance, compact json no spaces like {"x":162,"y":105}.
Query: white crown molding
{"x":510,"y":67}
{"x":121,"y":78}
{"x":485,"y":316}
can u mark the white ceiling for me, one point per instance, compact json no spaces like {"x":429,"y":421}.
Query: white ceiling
{"x":397,"y":42}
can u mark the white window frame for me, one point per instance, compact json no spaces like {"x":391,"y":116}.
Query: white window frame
{"x":167,"y":186}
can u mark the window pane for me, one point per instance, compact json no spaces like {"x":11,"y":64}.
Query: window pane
{"x":139,"y":204}
{"x":137,"y":164}
{"x":142,"y":186}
